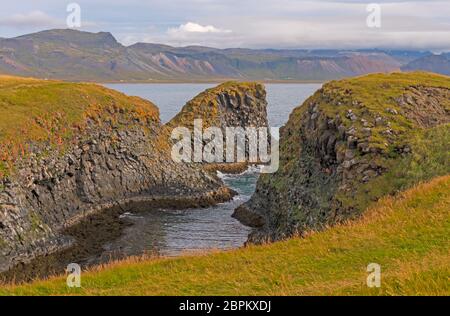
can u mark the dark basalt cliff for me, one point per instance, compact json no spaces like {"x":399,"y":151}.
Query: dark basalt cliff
{"x":352,"y":142}
{"x":232,"y":104}
{"x":77,"y":150}
{"x":229,"y":104}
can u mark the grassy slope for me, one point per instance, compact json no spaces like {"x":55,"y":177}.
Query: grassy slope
{"x":53,"y":112}
{"x":407,"y":235}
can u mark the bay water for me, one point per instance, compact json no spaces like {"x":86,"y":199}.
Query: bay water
{"x":174,"y":232}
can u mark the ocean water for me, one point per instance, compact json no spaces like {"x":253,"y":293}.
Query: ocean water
{"x":170,"y":98}
{"x":174,"y":232}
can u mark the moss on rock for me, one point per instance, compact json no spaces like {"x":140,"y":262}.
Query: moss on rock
{"x":352,"y":142}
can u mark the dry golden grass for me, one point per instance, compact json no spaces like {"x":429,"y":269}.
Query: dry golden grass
{"x":407,"y":235}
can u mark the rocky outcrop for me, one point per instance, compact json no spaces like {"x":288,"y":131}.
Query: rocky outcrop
{"x":352,"y":142}
{"x":117,"y":154}
{"x":111,"y":167}
{"x":231,"y":104}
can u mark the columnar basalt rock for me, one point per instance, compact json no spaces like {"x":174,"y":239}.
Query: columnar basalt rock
{"x":109,"y":167}
{"x":352,"y":142}
{"x":117,"y":154}
{"x":231,"y":104}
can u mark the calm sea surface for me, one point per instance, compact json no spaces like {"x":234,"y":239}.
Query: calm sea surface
{"x":172,"y":232}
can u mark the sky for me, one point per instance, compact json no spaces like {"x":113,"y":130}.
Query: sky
{"x":337,"y":24}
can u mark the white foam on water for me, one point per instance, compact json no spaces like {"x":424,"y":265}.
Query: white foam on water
{"x":129,"y":215}
{"x":252,"y":169}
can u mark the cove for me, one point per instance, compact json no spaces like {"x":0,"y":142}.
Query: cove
{"x":115,"y":234}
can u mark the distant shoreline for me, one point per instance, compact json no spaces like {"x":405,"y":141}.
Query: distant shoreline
{"x":218,"y":81}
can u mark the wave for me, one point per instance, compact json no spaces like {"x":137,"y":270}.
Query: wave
{"x":252,"y":169}
{"x":130,"y":216}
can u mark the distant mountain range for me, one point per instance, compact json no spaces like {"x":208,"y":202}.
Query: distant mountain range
{"x":83,"y":56}
{"x":433,"y":63}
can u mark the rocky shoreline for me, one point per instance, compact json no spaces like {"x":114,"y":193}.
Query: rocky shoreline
{"x":84,"y":236}
{"x":117,"y":162}
{"x":61,"y":191}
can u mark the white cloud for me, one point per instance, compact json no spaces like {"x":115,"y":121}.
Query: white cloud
{"x":31,"y":19}
{"x":251,"y":23}
{"x":196,"y":34}
{"x":191,"y":27}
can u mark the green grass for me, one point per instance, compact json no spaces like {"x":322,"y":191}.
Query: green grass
{"x":374,"y":94}
{"x":52,"y":112}
{"x":407,"y":235}
{"x":430,"y":146}
{"x":430,"y":158}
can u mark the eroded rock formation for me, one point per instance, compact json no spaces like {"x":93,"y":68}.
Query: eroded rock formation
{"x":352,"y":142}
{"x":115,"y":153}
{"x":231,"y":104}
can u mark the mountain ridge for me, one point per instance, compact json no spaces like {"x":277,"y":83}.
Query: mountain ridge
{"x":432,"y":63}
{"x":74,"y":55}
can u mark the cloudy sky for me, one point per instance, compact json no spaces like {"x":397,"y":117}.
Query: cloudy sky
{"x":244,"y":23}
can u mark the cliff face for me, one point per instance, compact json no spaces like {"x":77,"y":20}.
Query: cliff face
{"x":231,"y":104}
{"x":227,"y":105}
{"x":352,"y":142}
{"x":78,"y":149}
